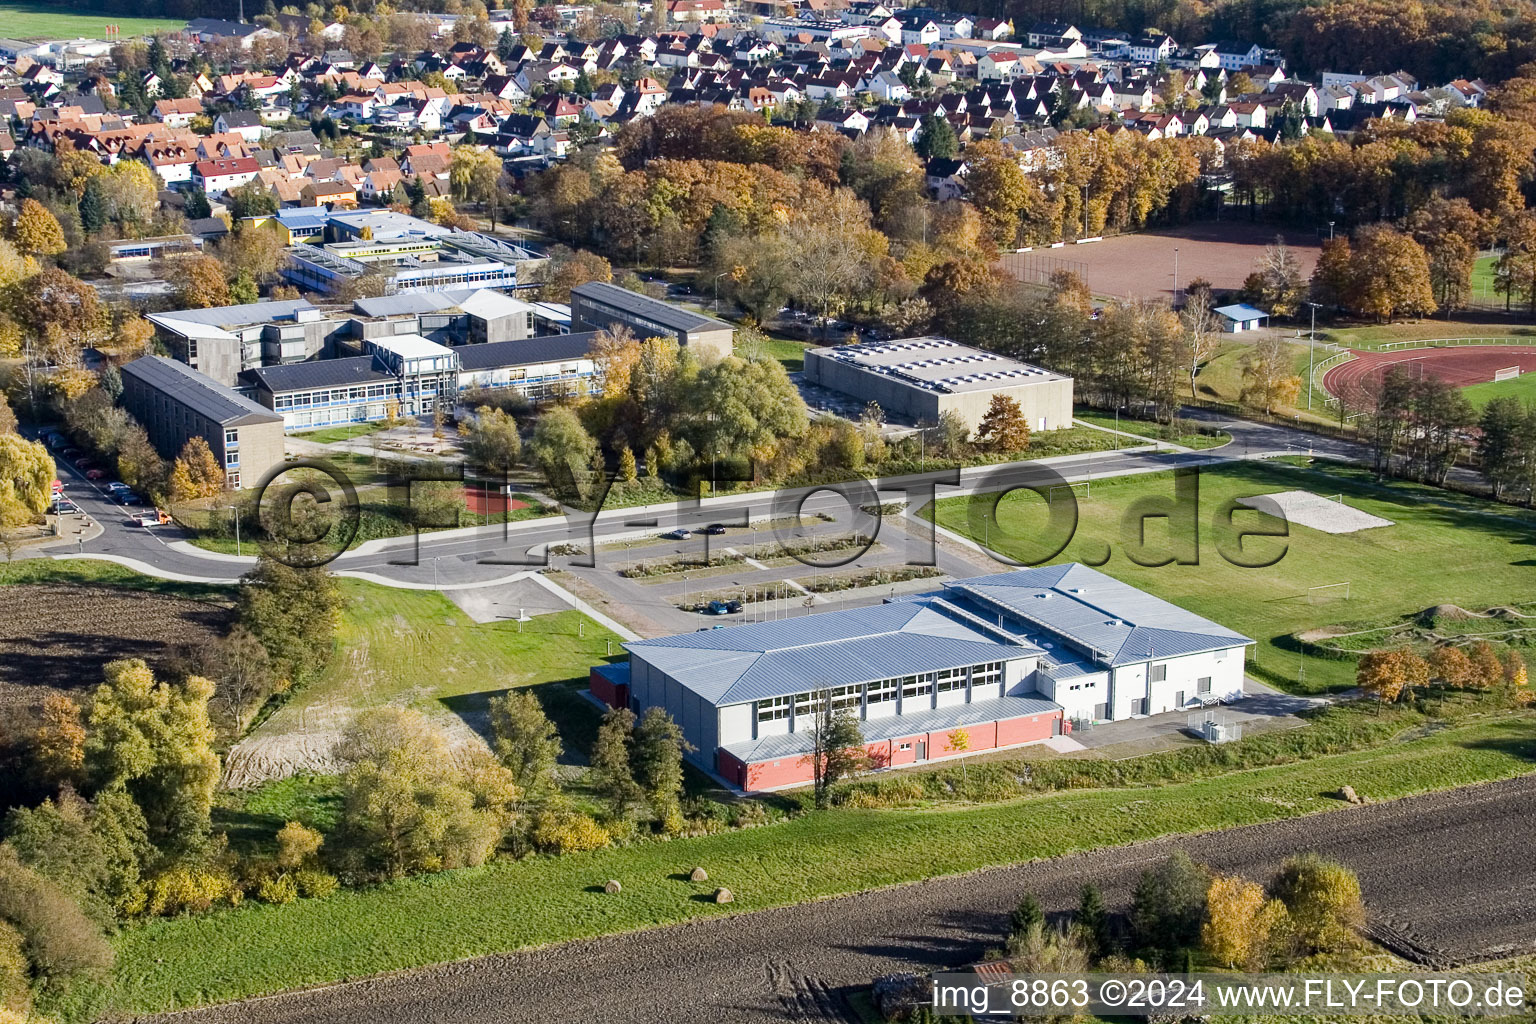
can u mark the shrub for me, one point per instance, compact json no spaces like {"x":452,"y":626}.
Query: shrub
{"x":15,"y":994}
{"x":315,"y":885}
{"x":189,"y":890}
{"x":296,"y":845}
{"x":1323,"y":898}
{"x":59,"y":939}
{"x":748,"y":813}
{"x":565,"y":831}
{"x":278,"y":889}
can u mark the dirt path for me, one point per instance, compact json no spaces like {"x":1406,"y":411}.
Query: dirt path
{"x":1445,"y":876}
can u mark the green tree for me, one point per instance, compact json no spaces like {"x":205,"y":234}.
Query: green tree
{"x":493,"y":442}
{"x":658,"y":755}
{"x":1323,"y":900}
{"x":526,"y":741}
{"x":1093,"y":920}
{"x":613,"y":774}
{"x":837,"y":747}
{"x":1025,"y":915}
{"x":563,"y":451}
{"x":153,"y":740}
{"x":295,"y":613}
{"x":93,"y":850}
{"x":61,"y":943}
{"x":936,"y":138}
{"x":1501,"y":444}
{"x":26,"y":480}
{"x":1168,"y":905}
{"x":409,"y":805}
{"x":197,"y":206}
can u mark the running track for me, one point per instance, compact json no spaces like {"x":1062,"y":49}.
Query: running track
{"x":1472,"y":364}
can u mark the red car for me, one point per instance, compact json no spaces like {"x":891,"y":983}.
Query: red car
{"x":95,"y":474}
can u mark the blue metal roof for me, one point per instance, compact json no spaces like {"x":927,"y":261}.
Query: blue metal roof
{"x":1241,"y":312}
{"x":775,"y":659}
{"x":1117,"y":622}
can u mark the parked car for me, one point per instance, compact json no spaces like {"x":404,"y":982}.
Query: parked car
{"x":55,"y":441}
{"x":71,"y":453}
{"x":733,"y":607}
{"x":62,"y":506}
{"x":95,"y":474}
{"x":84,"y":462}
{"x":717,"y":608}
{"x":681,"y":533}
{"x":713,"y":529}
{"x":155,"y":517}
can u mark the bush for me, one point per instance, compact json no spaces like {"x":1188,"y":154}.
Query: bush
{"x":315,"y":885}
{"x":279,"y":889}
{"x":564,"y":831}
{"x":61,"y":941}
{"x":748,"y":813}
{"x":189,"y":890}
{"x":15,"y":991}
{"x":1323,"y":898}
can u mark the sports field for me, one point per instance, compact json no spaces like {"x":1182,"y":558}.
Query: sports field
{"x":1522,"y":387}
{"x":1462,"y":551}
{"x":74,"y":21}
{"x":1466,"y":367}
{"x":1142,"y":265}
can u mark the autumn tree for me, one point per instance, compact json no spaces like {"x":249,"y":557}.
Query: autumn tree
{"x":1241,"y":925}
{"x":1282,"y":287}
{"x":999,"y":188}
{"x":36,"y":231}
{"x":1391,"y":274}
{"x":58,"y":745}
{"x":1322,"y":898}
{"x":1269,"y":377}
{"x":196,"y":473}
{"x":567,"y":268}
{"x":153,"y":739}
{"x":200,"y":281}
{"x":1386,"y":674}
{"x":1450,"y":664}
{"x":525,"y":740}
{"x":1451,"y":232}
{"x":1202,"y":330}
{"x":1004,"y":428}
{"x":26,"y":480}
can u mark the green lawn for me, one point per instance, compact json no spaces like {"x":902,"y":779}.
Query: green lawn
{"x":89,"y":572}
{"x":1522,"y":387}
{"x":60,"y":21}
{"x":328,"y":435}
{"x":1151,"y":429}
{"x":788,"y":351}
{"x":1369,"y":336}
{"x":232,"y":954}
{"x":1444,"y":548}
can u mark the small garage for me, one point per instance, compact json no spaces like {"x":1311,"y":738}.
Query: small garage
{"x":1241,"y":317}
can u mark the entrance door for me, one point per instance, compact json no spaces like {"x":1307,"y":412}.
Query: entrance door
{"x":1178,"y":699}
{"x":1100,"y":712}
{"x":1055,"y":727}
{"x":922,"y":750}
{"x":1139,"y":706}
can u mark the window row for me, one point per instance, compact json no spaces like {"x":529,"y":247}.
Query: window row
{"x":881,"y":691}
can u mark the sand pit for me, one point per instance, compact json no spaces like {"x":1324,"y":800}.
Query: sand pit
{"x":1314,"y":512}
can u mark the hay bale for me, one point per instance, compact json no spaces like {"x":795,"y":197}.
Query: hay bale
{"x":698,"y":875}
{"x":724,"y":895}
{"x":613,"y":888}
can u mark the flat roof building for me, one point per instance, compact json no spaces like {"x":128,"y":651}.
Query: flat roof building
{"x":222,"y":341}
{"x":597,"y":306}
{"x":1011,"y":658}
{"x":175,"y":403}
{"x":923,"y":378}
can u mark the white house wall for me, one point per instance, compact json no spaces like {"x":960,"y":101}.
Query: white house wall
{"x":1225,"y":668}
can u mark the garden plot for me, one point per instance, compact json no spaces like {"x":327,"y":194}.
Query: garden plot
{"x":1314,"y":511}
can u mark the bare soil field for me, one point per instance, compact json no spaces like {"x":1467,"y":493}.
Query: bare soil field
{"x":57,"y":637}
{"x":1450,"y":893}
{"x":1142,"y":265}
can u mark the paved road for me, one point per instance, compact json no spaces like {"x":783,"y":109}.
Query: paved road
{"x":1444,"y":876}
{"x":460,"y":558}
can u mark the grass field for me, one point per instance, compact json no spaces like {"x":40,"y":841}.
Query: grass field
{"x":1522,"y":387}
{"x":788,"y":351}
{"x":1369,"y":336}
{"x":1150,"y":429}
{"x":89,"y":572}
{"x":328,"y":435}
{"x":1444,"y":549}
{"x":47,"y":21}
{"x":509,"y":905}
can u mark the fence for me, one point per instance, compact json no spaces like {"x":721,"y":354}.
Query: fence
{"x":1394,"y":346}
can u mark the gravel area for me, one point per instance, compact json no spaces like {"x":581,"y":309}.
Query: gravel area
{"x":1443,"y":875}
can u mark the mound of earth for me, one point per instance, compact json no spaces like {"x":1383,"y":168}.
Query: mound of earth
{"x":1450,"y":612}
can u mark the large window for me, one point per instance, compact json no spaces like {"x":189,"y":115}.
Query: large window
{"x":916,"y":686}
{"x":983,"y":676}
{"x":951,"y":679}
{"x":1159,"y":673}
{"x":882,"y":691}
{"x":1203,"y":684}
{"x":773,"y":709}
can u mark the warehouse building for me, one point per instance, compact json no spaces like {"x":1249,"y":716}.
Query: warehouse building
{"x":175,"y":403}
{"x":1009,"y":659}
{"x":920,"y":379}
{"x":597,"y":306}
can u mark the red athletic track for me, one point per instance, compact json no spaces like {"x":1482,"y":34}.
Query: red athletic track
{"x":1472,"y":364}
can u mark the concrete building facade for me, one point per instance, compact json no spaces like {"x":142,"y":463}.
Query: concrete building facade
{"x":920,"y":379}
{"x":175,"y":403}
{"x":597,"y":306}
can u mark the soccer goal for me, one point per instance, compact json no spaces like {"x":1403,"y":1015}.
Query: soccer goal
{"x":1508,"y":373}
{"x":1328,"y":591}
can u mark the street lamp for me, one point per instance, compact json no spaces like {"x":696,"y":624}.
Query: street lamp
{"x":236,"y":510}
{"x":1311,"y":349}
{"x":717,"y":288}
{"x":1175,"y":276}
